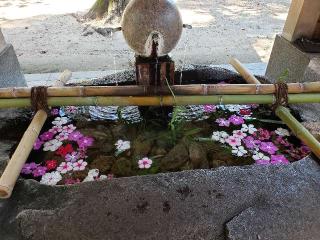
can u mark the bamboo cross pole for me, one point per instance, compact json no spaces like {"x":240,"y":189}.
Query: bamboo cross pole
{"x":193,"y":89}
{"x":20,"y":156}
{"x":250,"y":78}
{"x":296,"y":127}
{"x":161,"y":100}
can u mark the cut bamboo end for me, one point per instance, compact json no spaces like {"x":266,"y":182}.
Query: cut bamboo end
{"x":243,"y":71}
{"x":5,"y":192}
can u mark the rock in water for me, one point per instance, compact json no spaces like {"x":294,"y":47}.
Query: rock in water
{"x":143,"y":19}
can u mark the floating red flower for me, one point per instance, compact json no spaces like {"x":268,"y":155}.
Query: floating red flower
{"x":51,"y":164}
{"x":64,"y":150}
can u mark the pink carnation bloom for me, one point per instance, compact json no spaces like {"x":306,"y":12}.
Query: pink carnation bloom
{"x":279,"y":159}
{"x":233,"y":141}
{"x":262,"y":134}
{"x":250,"y":142}
{"x":72,"y":157}
{"x":75,"y":136}
{"x":145,"y":163}
{"x":46,"y":136}
{"x":236,"y":120}
{"x":69,"y":128}
{"x":55,"y":129}
{"x":85,"y":142}
{"x":268,"y":147}
{"x":263,"y":162}
{"x":65,"y":167}
{"x":223,"y":122}
{"x":39,"y":171}
{"x":37,"y":145}
{"x":210,"y":108}
{"x":239,"y":134}
{"x":62,"y":136}
{"x":54,"y":111}
{"x":80,"y":165}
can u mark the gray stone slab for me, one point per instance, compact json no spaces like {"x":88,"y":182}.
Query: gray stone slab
{"x":274,"y":202}
{"x":10,"y":72}
{"x":287,"y":56}
{"x":2,"y":41}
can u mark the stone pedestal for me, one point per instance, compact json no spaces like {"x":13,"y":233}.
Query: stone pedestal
{"x":302,"y":66}
{"x":10,"y":72}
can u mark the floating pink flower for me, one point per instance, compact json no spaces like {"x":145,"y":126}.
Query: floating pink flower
{"x":223,"y":122}
{"x":145,"y":163}
{"x":29,"y":167}
{"x":69,"y":128}
{"x":39,"y":171}
{"x":233,"y":141}
{"x":85,"y":142}
{"x":46,"y":136}
{"x":71,"y":181}
{"x":250,"y":142}
{"x":55,"y":129}
{"x":262,"y":134}
{"x":54,"y":111}
{"x":71,"y":109}
{"x":279,"y":159}
{"x":263,"y":162}
{"x":280,"y":141}
{"x":38,"y":144}
{"x":210,"y":108}
{"x":236,"y":120}
{"x":79,"y":166}
{"x":304,"y":150}
{"x":72,"y":157}
{"x":239,"y":134}
{"x":62,"y":136}
{"x":75,"y":136}
{"x":268,"y":147}
{"x":245,"y":112}
{"x":65,"y":167}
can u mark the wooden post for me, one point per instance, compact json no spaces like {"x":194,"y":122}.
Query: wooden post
{"x":302,"y":20}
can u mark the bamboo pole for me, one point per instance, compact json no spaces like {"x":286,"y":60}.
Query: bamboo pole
{"x":244,"y":72}
{"x":20,"y":156}
{"x":194,"y":89}
{"x":299,"y":130}
{"x":161,"y":100}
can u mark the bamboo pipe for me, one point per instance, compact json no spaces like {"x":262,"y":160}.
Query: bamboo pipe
{"x":161,"y":100}
{"x":194,"y":89}
{"x":298,"y":129}
{"x":20,"y":156}
{"x":244,"y":72}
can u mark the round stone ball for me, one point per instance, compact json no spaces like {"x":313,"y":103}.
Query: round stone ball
{"x":146,"y":20}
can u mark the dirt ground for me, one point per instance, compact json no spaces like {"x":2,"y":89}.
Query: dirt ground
{"x":48,"y":38}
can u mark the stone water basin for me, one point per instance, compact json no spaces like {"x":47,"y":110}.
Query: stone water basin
{"x":187,"y":193}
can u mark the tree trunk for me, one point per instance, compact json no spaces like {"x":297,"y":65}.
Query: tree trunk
{"x":110,"y":9}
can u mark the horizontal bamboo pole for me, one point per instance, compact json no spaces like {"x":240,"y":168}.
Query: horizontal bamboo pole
{"x":195,"y":89}
{"x":299,"y":130}
{"x":20,"y":156}
{"x":161,"y":100}
{"x":250,"y":78}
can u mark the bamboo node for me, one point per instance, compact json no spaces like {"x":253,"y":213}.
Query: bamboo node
{"x":258,"y":88}
{"x":13,"y":90}
{"x":205,"y":89}
{"x":39,"y":98}
{"x":82,"y":91}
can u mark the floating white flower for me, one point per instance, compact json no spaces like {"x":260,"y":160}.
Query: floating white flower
{"x":51,"y":178}
{"x":52,"y":145}
{"x":122,"y":146}
{"x":248,"y":128}
{"x":282,"y":132}
{"x":215,"y":136}
{"x":92,"y":175}
{"x":239,"y":134}
{"x":65,"y":167}
{"x":219,"y":136}
{"x":59,"y":121}
{"x":260,"y":156}
{"x":239,"y":151}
